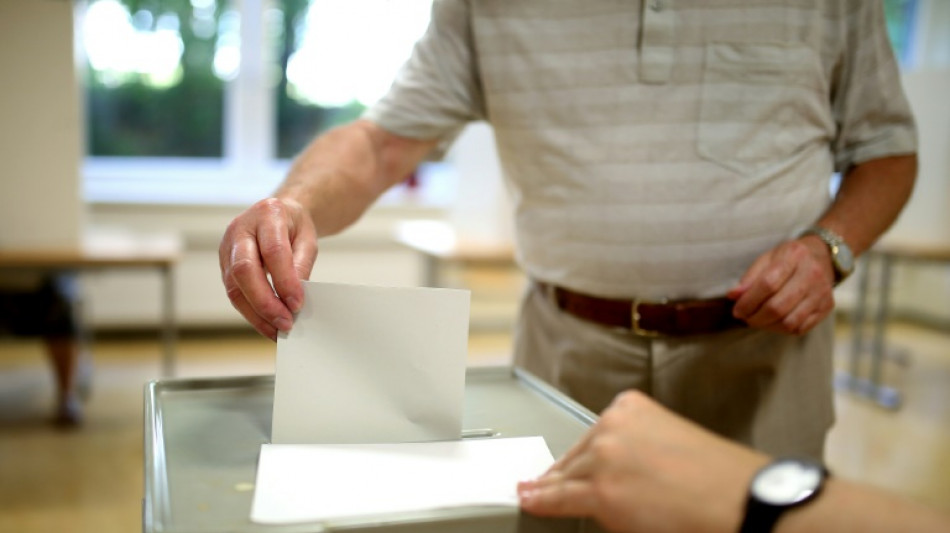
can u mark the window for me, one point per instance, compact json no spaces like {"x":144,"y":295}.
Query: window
{"x":357,"y":45}
{"x":901,"y":16}
{"x":206,"y":100}
{"x":152,"y":88}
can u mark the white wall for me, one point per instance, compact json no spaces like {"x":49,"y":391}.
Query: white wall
{"x":482,"y":210}
{"x":40,"y":132}
{"x":922,"y":290}
{"x":927,"y":215}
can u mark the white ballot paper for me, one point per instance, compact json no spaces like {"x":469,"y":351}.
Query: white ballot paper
{"x":344,"y":481}
{"x":369,"y":364}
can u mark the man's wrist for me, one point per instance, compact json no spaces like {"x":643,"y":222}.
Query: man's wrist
{"x":840,"y":256}
{"x":821,"y":252}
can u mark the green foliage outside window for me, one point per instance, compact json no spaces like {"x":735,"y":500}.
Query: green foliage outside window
{"x":129,"y":114}
{"x":297,"y":120}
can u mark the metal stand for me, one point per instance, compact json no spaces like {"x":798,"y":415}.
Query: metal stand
{"x":872,"y":386}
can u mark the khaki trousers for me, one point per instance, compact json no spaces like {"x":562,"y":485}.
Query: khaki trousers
{"x":767,"y":390}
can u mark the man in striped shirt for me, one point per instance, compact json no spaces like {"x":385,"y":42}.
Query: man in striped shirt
{"x":670,"y":165}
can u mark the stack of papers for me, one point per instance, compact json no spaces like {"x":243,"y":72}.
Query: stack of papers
{"x":368,"y":412}
{"x":297,"y":483}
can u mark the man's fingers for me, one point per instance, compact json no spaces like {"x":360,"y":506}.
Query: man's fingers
{"x":245,"y":270}
{"x":276,"y":238}
{"x":277,"y":257}
{"x":754,"y":271}
{"x":244,"y":307}
{"x":810,"y":311}
{"x":811,"y":321}
{"x":780,"y":305}
{"x":304,"y":243}
{"x":804,"y":293}
{"x":761,"y":288}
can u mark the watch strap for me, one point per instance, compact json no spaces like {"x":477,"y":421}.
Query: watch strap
{"x":760,"y":517}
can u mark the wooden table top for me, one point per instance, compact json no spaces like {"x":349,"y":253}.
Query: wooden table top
{"x":99,"y":251}
{"x":921,"y":251}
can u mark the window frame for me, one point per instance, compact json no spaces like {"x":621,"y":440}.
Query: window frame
{"x":246,"y":170}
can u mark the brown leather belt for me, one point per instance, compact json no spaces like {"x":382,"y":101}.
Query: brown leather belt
{"x":673,"y":318}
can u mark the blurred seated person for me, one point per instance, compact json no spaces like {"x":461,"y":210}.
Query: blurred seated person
{"x":42,"y":306}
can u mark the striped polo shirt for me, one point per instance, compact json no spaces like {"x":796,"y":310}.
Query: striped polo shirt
{"x":654,"y":149}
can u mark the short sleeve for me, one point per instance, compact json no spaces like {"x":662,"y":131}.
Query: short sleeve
{"x":437,"y":92}
{"x":871,"y":111}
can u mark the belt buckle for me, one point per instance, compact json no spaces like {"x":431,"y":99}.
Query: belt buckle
{"x":635,"y":318}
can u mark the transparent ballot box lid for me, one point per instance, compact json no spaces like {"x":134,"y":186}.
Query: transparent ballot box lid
{"x":203,"y":438}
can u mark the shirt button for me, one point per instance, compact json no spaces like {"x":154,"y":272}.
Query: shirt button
{"x":655,"y":5}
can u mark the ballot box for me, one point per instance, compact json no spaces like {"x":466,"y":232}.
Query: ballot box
{"x":203,"y":439}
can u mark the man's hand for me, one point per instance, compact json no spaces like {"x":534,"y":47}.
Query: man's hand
{"x":642,"y":468}
{"x":789,"y":289}
{"x":276,"y":237}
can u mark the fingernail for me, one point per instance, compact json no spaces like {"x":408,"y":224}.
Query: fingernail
{"x":293,"y":303}
{"x":282,"y":324}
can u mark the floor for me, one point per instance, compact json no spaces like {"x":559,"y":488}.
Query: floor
{"x":90,"y":480}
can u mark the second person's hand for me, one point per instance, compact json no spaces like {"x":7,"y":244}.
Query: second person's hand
{"x":641,"y":468}
{"x":275,"y":236}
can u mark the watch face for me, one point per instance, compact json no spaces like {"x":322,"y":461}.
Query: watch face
{"x":787,"y":482}
{"x":844,"y":258}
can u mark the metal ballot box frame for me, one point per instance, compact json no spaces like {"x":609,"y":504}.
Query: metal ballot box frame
{"x":203,"y":439}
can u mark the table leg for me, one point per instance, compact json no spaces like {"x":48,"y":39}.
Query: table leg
{"x":850,"y":379}
{"x":431,"y":274}
{"x":885,"y":396}
{"x":169,"y":333}
{"x":84,"y":339}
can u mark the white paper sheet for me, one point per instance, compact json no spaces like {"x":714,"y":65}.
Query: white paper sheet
{"x":304,"y":483}
{"x":372,"y":364}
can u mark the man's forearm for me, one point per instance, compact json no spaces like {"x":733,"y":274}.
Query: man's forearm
{"x":341,"y":173}
{"x":871,"y":197}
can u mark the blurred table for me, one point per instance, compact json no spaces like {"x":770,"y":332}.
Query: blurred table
{"x":108,"y":250}
{"x":884,"y":255}
{"x":439,"y":244}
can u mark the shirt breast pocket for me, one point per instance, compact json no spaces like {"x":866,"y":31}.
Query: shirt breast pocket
{"x":752,"y":113}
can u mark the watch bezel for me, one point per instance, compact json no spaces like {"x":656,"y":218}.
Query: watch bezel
{"x":844,"y":259}
{"x":761,"y":514}
{"x":810,"y":474}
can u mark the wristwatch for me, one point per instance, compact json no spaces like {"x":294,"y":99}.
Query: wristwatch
{"x":842,"y":259}
{"x":779,"y":486}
